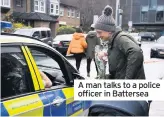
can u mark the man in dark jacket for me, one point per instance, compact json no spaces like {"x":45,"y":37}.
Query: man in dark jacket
{"x":125,"y":57}
{"x":92,"y":40}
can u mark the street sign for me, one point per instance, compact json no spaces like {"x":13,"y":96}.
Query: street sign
{"x":95,"y":18}
{"x":130,"y":23}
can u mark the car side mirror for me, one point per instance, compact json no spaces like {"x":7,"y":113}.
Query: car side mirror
{"x":77,"y":76}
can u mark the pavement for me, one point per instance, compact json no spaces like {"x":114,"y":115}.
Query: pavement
{"x":154,"y":70}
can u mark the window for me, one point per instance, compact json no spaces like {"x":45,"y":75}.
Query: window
{"x":69,"y":12}
{"x":44,"y":34}
{"x":36,"y":5}
{"x":152,"y":4}
{"x":72,"y":13}
{"x":36,"y":35}
{"x":77,"y":14}
{"x":144,"y":14}
{"x":159,"y":13}
{"x":42,"y":6}
{"x":54,"y":8}
{"x":5,"y":3}
{"x":61,"y":11}
{"x":19,"y":3}
{"x":51,"y":66}
{"x":39,"y":6}
{"x":57,"y":9}
{"x":49,"y":33}
{"x":15,"y":75}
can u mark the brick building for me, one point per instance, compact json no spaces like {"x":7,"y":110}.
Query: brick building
{"x":36,"y":13}
{"x":69,"y":13}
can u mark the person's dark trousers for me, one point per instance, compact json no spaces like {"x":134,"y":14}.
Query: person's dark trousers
{"x":89,"y":60}
{"x":78,"y":58}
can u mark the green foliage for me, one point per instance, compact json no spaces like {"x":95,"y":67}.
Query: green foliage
{"x":20,"y":25}
{"x":65,"y":30}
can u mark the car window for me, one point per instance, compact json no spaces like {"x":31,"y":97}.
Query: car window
{"x":36,"y":34}
{"x":15,"y":76}
{"x":49,"y":66}
{"x":44,"y":34}
{"x":49,"y":33}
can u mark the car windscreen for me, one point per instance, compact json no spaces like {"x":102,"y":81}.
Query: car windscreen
{"x":63,"y":37}
{"x":23,"y":32}
{"x":160,"y":40}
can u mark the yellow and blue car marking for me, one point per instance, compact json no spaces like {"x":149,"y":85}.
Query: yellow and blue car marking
{"x":41,"y":105}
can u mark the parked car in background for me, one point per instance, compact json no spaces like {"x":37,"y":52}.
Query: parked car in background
{"x":137,"y":37}
{"x":158,"y":49}
{"x":42,"y":33}
{"x":61,"y":42}
{"x":149,"y":36}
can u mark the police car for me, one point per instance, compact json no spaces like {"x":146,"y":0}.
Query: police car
{"x":22,"y":88}
{"x":23,"y":92}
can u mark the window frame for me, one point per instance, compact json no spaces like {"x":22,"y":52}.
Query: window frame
{"x":39,"y":6}
{"x":73,"y":13}
{"x":21,"y":3}
{"x":53,"y":54}
{"x":78,"y":12}
{"x":5,"y":5}
{"x":151,"y":5}
{"x":68,"y":12}
{"x":61,"y":11}
{"x":54,"y":9}
{"x":141,"y":14}
{"x":30,"y":80}
{"x":156,"y":14}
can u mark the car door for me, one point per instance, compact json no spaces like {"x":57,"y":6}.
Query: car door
{"x":61,"y":94}
{"x":20,"y":84}
{"x":85,"y":104}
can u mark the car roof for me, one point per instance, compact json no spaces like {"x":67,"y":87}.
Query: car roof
{"x":35,"y":29}
{"x":19,"y":39}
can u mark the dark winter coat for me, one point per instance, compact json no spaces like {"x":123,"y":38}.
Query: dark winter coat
{"x":92,"y":40}
{"x":125,"y":57}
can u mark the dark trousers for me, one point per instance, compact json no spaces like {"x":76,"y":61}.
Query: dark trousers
{"x":89,"y":60}
{"x":78,"y":58}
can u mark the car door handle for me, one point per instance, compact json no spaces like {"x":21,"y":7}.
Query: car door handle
{"x":58,"y":101}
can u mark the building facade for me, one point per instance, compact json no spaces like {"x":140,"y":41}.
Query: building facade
{"x":35,"y":13}
{"x":146,"y":15}
{"x":69,"y":13}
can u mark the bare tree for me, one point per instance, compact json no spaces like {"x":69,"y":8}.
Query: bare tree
{"x":89,"y":8}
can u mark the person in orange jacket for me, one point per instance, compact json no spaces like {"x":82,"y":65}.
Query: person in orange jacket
{"x":77,"y":46}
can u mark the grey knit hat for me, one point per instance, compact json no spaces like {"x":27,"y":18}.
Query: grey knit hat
{"x":106,"y":21}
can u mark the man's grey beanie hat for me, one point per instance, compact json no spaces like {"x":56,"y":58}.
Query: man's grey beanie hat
{"x":106,"y":21}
